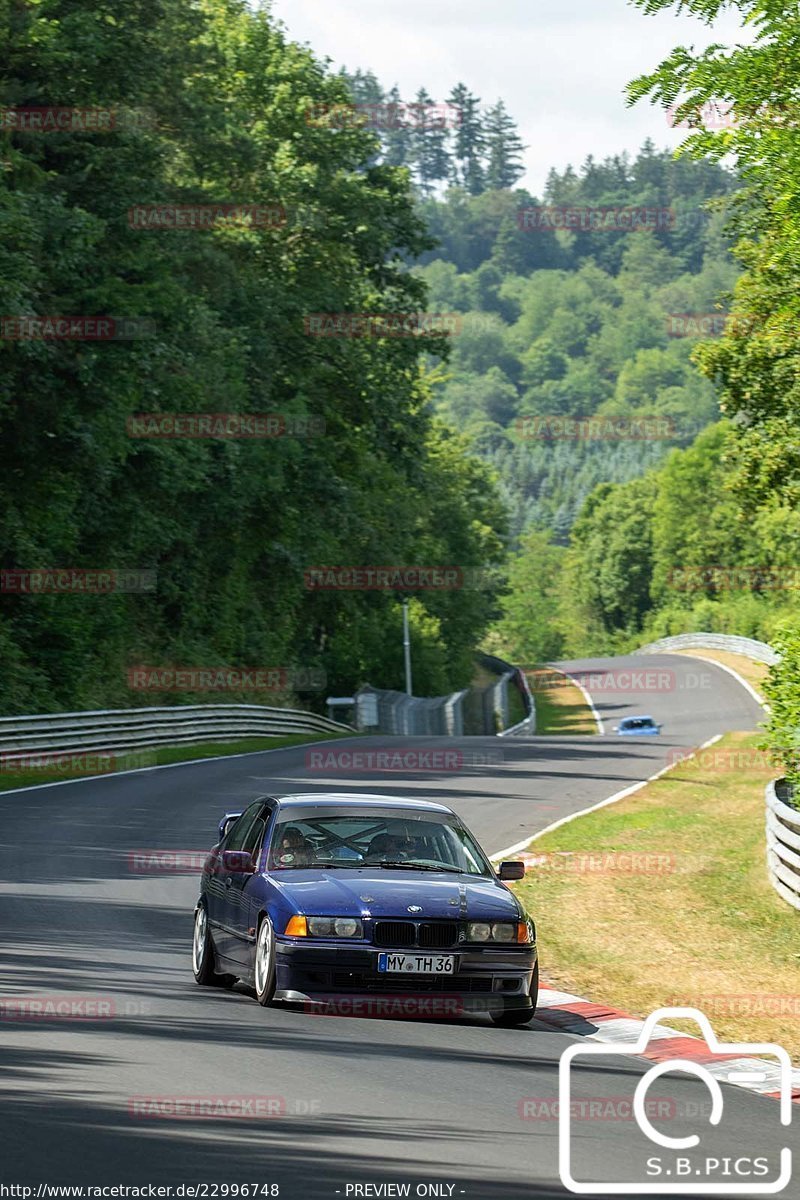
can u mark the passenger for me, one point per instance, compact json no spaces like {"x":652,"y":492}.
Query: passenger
{"x":390,"y":847}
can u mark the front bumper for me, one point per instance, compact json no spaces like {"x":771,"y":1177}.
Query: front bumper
{"x":346,"y":980}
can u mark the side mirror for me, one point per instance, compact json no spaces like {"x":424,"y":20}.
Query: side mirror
{"x":512,"y":870}
{"x":238,"y":862}
{"x":226,"y":823}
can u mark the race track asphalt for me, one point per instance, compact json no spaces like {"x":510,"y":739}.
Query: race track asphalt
{"x":367,"y":1102}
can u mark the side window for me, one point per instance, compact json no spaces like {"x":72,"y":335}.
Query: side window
{"x":238,"y":835}
{"x":255,"y":836}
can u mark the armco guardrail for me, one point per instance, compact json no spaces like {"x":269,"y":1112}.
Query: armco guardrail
{"x":417,"y":716}
{"x":528,"y":724}
{"x":473,"y":711}
{"x":748,"y":647}
{"x":783,"y":845}
{"x":138,"y":728}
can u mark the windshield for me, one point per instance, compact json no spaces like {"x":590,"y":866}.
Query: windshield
{"x":373,"y":839}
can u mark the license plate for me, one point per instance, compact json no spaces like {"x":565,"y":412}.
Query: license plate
{"x":418,"y":964}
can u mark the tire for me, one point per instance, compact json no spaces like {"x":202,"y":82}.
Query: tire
{"x":203,"y":956}
{"x":264,"y":963}
{"x":520,"y":1016}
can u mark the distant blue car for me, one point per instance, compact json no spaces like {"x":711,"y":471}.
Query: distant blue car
{"x":637,"y":727}
{"x":312,"y":899}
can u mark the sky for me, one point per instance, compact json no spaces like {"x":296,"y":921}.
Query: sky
{"x":560,"y":65}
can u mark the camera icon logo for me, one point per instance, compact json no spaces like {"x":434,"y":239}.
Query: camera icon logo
{"x":687,"y":1166}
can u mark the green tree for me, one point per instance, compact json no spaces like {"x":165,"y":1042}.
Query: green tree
{"x":504,"y":148}
{"x":528,"y":628}
{"x":429,"y":143}
{"x":757,"y":363}
{"x":230,"y":527}
{"x":469,"y":142}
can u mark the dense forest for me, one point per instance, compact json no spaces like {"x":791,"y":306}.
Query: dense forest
{"x":206,"y":106}
{"x":573,"y":324}
{"x":711,"y":538}
{"x":593,"y":409}
{"x":560,"y":323}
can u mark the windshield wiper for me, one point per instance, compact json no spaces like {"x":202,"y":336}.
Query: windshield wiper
{"x":338,"y":866}
{"x":412,"y":866}
{"x":325,"y":866}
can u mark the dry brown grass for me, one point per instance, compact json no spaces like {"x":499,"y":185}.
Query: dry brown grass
{"x":560,"y":705}
{"x":706,"y":930}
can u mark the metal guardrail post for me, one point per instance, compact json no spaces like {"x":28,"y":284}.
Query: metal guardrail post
{"x":107,"y":730}
{"x":749,"y":647}
{"x":480,"y":709}
{"x":783,"y":846}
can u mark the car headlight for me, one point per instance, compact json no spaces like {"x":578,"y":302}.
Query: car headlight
{"x":498,"y":931}
{"x":478,"y":931}
{"x":344,"y":927}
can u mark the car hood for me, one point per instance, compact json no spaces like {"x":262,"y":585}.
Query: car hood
{"x":387,"y":893}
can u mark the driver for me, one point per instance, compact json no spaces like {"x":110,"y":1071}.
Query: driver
{"x":292,"y":849}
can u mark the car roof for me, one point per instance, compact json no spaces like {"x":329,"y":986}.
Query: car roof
{"x":641,"y":717}
{"x":357,"y":799}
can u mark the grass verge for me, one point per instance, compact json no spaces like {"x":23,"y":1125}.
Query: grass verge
{"x":560,"y":705}
{"x":704,"y":929}
{"x":112,"y":764}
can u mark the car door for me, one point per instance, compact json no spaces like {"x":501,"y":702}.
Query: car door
{"x":222,"y":882}
{"x":243,"y":892}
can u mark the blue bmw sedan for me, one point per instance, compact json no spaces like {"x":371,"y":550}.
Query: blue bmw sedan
{"x":324,"y":900}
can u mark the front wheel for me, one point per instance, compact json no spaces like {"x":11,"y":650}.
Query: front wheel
{"x":264,"y":971}
{"x":203,"y":962}
{"x":520,"y":1016}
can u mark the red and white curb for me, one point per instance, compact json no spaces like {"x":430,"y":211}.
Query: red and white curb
{"x":599,"y":1023}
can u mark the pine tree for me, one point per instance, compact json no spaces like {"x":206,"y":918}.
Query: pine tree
{"x":429,"y":143}
{"x":395,"y":128}
{"x":469,"y":141}
{"x":364,"y":86}
{"x":504,"y":148}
